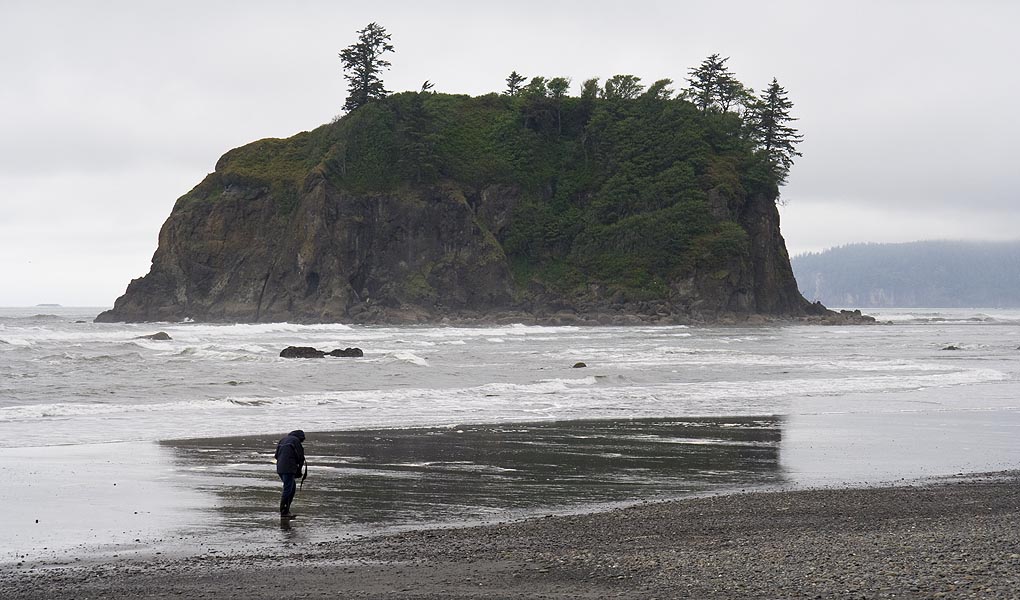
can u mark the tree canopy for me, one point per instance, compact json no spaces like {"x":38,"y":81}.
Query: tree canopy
{"x":513,"y":83}
{"x":765,"y":121}
{"x":714,"y":87}
{"x":363,"y":65}
{"x":762,"y":123}
{"x":622,"y":87}
{"x":770,"y":128}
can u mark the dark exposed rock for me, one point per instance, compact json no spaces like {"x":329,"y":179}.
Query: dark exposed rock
{"x":843,"y":317}
{"x":301,"y":352}
{"x":338,"y":257}
{"x":161,"y":336}
{"x":347,"y":352}
{"x":309,"y":352}
{"x":952,"y":347}
{"x":579,"y":365}
{"x":854,"y":316}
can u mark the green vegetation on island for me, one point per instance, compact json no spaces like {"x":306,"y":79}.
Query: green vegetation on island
{"x":618,"y":182}
{"x":626,"y":197}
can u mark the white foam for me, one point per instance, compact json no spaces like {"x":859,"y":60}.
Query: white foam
{"x":215,"y":352}
{"x":946,"y":316}
{"x":256,"y":329}
{"x":63,"y":332}
{"x":544,"y":386}
{"x":410,"y":357}
{"x":14,"y":340}
{"x":92,"y":382}
{"x":567,"y":395}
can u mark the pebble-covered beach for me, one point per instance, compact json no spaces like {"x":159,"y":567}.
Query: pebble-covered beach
{"x":952,"y":538}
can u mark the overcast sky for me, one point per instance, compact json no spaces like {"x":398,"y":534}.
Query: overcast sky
{"x":109,"y":111}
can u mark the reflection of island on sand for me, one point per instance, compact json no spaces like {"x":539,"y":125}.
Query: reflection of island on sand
{"x":404,"y":477}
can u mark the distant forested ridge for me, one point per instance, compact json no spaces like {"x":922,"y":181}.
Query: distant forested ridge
{"x":623,"y":200}
{"x":935,"y":274}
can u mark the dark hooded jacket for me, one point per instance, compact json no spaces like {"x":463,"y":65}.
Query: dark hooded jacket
{"x":290,"y":455}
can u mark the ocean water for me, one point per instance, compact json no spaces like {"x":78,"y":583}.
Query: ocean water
{"x":71,"y":381}
{"x":446,"y":424}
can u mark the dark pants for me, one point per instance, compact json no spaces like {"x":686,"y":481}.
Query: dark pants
{"x":289,"y":488}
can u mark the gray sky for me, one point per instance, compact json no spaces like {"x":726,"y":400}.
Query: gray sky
{"x":109,"y":111}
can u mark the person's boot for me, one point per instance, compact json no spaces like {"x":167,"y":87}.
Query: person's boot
{"x":285,"y":510}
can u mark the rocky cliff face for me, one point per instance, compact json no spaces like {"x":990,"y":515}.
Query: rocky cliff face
{"x":244,"y":246}
{"x":334,"y":257}
{"x":411,"y":257}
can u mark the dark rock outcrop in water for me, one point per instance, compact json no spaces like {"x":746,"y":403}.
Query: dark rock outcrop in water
{"x":301,"y":352}
{"x":347,"y":353}
{"x":160,"y":336}
{"x":309,"y":352}
{"x":505,"y":219}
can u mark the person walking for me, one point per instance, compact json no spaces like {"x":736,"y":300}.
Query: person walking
{"x":290,"y":457}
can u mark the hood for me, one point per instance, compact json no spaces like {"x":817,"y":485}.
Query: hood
{"x":299,"y":434}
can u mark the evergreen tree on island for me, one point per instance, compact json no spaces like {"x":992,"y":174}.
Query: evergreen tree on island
{"x":363,"y":63}
{"x":713,"y":86}
{"x":770,"y":129}
{"x":514,"y":83}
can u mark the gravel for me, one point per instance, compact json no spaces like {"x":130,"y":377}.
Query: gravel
{"x":954,"y":538}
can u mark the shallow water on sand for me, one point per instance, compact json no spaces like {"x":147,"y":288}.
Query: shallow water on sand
{"x":406,"y":477}
{"x":221,"y":494}
{"x":215,"y":495}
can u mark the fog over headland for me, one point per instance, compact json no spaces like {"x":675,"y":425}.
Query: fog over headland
{"x":110,"y":111}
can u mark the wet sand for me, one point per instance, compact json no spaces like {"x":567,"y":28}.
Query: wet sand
{"x":955,"y":537}
{"x":132,"y":499}
{"x":211,"y":496}
{"x":82,"y":499}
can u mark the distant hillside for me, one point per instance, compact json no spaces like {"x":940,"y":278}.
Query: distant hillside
{"x":917,"y":274}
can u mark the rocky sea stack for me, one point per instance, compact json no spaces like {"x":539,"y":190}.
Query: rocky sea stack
{"x":422,"y":207}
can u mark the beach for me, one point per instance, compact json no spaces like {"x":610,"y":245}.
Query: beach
{"x":781,"y":461}
{"x":952,"y":537}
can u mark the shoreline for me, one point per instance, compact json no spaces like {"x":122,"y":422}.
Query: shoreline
{"x":564,"y":318}
{"x":194,"y":496}
{"x":949,"y":536}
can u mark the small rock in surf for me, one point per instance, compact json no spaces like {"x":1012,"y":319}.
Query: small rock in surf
{"x":301,"y":352}
{"x":309,"y":352}
{"x":161,"y":336}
